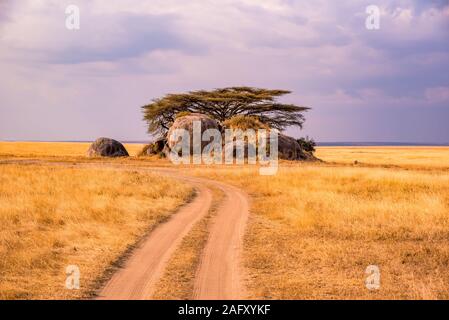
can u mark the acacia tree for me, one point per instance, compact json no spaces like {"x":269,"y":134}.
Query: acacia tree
{"x":223,"y":104}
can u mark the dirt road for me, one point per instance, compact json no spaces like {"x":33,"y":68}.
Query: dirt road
{"x":138,"y":277}
{"x":219,"y":275}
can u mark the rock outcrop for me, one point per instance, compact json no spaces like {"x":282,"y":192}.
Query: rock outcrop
{"x":186,"y":123}
{"x":290,"y":149}
{"x":105,"y":147}
{"x":154,"y":148}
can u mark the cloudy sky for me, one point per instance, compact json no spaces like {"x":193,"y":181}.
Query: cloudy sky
{"x":390,"y":84}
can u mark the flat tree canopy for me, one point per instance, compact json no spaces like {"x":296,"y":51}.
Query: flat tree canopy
{"x":223,"y":104}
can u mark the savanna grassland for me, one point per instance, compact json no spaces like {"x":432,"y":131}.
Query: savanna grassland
{"x":53,"y":216}
{"x":313,"y":229}
{"x":421,"y":158}
{"x":52,"y":149}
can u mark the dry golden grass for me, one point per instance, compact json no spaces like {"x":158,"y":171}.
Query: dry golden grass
{"x":53,"y":149}
{"x":314,"y":229}
{"x":177,"y":282}
{"x":406,"y":157}
{"x":51,"y":217}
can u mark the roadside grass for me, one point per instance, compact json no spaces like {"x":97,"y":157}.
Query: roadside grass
{"x":314,"y":230}
{"x":52,"y":217}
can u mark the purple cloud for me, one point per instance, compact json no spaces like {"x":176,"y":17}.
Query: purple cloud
{"x":361,"y":84}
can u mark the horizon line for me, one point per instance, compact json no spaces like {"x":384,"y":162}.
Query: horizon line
{"x":319,"y":143}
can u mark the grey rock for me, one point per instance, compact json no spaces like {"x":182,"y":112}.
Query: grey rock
{"x":154,"y":148}
{"x":186,"y":122}
{"x":290,"y":149}
{"x":105,"y":147}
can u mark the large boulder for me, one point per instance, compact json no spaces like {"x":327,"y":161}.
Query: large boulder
{"x":105,"y":147}
{"x":154,"y":148}
{"x":290,"y":149}
{"x":186,"y":122}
